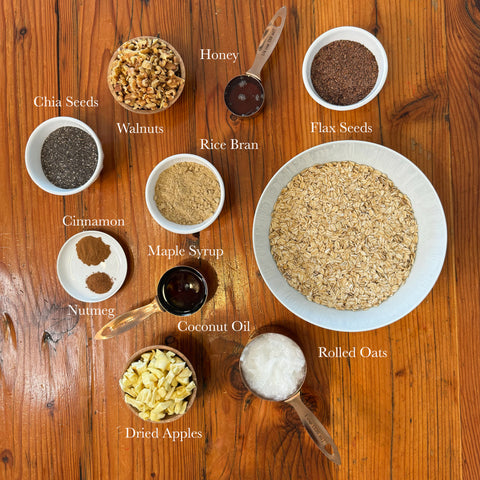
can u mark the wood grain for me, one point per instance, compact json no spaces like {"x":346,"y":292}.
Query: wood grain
{"x":463,"y":84}
{"x":413,"y":414}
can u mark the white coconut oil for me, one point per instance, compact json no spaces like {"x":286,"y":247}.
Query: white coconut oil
{"x":273,"y":366}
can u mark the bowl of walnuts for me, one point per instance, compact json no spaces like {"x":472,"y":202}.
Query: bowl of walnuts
{"x":146,"y":75}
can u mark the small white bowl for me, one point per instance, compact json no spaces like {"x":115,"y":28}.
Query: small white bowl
{"x":33,"y":151}
{"x":354,"y":34}
{"x":150,"y":194}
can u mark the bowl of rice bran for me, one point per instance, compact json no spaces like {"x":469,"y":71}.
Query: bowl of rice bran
{"x":185,"y":193}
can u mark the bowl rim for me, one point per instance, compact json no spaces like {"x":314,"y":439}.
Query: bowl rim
{"x":318,"y":43}
{"x":191,"y":398}
{"x":150,"y":189}
{"x":33,"y":155}
{"x":431,"y":247}
{"x":139,"y":110}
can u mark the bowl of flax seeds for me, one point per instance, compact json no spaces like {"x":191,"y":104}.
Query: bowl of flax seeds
{"x":345,"y":68}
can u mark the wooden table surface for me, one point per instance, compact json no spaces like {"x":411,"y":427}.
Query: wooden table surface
{"x":413,"y":414}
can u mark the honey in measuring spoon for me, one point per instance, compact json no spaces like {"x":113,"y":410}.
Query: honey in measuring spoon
{"x":244,"y":95}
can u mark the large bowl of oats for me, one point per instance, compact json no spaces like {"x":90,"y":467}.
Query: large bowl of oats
{"x":350,"y":236}
{"x":146,"y":75}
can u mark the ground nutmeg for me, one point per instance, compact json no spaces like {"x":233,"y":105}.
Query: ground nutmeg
{"x":99,"y":282}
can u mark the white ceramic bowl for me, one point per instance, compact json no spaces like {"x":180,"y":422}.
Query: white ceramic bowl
{"x":431,"y":247}
{"x":150,"y":194}
{"x":33,"y":151}
{"x":354,"y":34}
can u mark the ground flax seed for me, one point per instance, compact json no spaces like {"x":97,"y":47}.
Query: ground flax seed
{"x":187,"y":193}
{"x":343,"y":72}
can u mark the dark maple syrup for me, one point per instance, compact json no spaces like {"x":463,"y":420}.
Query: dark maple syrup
{"x":182,"y":290}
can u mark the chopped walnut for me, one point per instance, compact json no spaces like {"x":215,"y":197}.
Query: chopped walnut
{"x":145,"y":74}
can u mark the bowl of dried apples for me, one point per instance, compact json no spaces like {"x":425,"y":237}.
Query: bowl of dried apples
{"x":159,"y":384}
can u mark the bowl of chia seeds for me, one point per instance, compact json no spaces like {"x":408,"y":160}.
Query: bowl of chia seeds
{"x":345,"y":68}
{"x":63,"y":156}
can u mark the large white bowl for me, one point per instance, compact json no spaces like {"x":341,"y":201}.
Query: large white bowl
{"x":150,"y":194}
{"x":431,"y":247}
{"x":354,"y":34}
{"x":33,"y":152}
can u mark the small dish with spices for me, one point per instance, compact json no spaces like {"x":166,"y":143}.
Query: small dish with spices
{"x":345,"y":68}
{"x":91,"y":266}
{"x":63,"y":156}
{"x":185,"y":193}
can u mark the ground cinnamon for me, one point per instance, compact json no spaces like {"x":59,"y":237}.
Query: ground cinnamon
{"x":99,"y":282}
{"x":92,"y":250}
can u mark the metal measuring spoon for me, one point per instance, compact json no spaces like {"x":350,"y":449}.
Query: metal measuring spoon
{"x":318,"y":433}
{"x":244,"y":95}
{"x":182,"y":291}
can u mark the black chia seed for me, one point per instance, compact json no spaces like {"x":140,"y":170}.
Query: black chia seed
{"x":69,"y":157}
{"x":343,"y":72}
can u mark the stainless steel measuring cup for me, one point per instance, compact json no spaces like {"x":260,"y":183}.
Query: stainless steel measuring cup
{"x":318,"y":433}
{"x":244,"y":95}
{"x":182,"y":291}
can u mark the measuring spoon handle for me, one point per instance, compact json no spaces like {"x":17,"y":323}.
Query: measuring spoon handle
{"x":315,"y":429}
{"x":127,"y":320}
{"x":268,"y":42}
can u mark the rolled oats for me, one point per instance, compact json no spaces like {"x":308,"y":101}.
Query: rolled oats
{"x":343,"y":235}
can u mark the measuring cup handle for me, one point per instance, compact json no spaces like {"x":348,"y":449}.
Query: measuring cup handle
{"x":127,"y":320}
{"x":268,"y":42}
{"x":315,"y":429}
